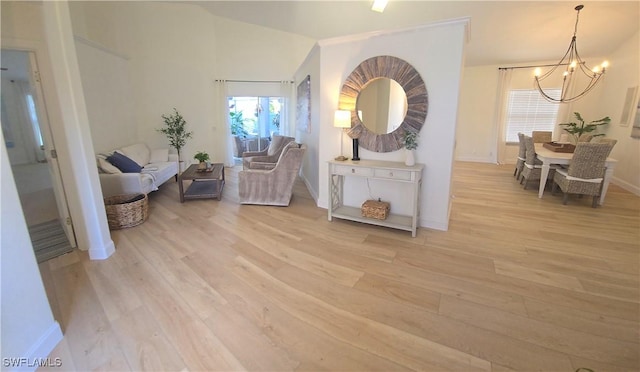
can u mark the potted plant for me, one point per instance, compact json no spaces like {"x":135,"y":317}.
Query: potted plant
{"x":174,"y":129}
{"x":410,"y":143}
{"x":202,"y":157}
{"x":237,"y":124}
{"x":580,"y":128}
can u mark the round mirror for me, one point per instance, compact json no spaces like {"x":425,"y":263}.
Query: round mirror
{"x":383,"y":137}
{"x":382,"y":105}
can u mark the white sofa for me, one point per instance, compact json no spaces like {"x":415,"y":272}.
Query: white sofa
{"x":158,"y":167}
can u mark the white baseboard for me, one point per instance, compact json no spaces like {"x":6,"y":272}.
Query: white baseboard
{"x":41,"y":349}
{"x":475,"y":159}
{"x":314,"y":193}
{"x":435,"y":225}
{"x":102,"y":254}
{"x":626,"y":185}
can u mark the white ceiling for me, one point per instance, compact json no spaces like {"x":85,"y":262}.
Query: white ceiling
{"x":501,"y":32}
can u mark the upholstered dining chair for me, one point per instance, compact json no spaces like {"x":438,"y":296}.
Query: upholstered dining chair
{"x":273,"y":186}
{"x":532,"y":169}
{"x":585,"y":173}
{"x":541,"y":136}
{"x":266,"y":158}
{"x":521,"y":156}
{"x":610,"y":141}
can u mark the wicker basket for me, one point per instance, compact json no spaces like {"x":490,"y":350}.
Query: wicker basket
{"x":121,"y":214}
{"x":375,"y":209}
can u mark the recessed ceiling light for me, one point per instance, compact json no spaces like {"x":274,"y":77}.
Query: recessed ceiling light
{"x":378,"y":5}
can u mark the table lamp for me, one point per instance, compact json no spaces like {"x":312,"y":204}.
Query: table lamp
{"x":342,"y":120}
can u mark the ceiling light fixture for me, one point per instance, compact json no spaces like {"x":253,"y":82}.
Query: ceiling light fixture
{"x":379,"y":5}
{"x":573,"y":64}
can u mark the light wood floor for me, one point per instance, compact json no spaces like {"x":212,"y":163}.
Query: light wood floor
{"x":517,"y":283}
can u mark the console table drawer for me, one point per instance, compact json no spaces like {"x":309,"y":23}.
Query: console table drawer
{"x":392,"y":174}
{"x":354,"y":171}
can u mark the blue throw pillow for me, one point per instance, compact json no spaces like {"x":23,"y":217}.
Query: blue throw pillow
{"x":123,"y":163}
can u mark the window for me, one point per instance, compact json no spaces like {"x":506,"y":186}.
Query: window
{"x":527,"y":111}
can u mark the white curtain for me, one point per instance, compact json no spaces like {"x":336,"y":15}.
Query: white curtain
{"x":18,"y":107}
{"x":287,"y":112}
{"x":221,"y":105}
{"x":504,"y":84}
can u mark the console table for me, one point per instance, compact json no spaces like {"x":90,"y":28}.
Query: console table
{"x":393,"y":172}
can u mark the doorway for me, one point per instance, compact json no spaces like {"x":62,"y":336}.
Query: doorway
{"x":253,"y":121}
{"x":31,"y":151}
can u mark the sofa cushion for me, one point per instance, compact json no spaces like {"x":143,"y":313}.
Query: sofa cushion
{"x":139,"y":153}
{"x":158,"y":155}
{"x":107,"y":167}
{"x":123,"y":163}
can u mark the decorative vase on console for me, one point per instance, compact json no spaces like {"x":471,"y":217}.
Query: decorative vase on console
{"x":411,"y":158}
{"x":410,"y":142}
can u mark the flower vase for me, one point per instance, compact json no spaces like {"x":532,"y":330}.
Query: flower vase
{"x":410,"y":159}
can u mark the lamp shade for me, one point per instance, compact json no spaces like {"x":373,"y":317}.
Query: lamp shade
{"x":342,"y":119}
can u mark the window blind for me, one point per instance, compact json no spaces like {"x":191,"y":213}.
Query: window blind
{"x":527,"y":111}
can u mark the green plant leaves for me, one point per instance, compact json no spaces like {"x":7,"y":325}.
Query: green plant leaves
{"x":175,"y":130}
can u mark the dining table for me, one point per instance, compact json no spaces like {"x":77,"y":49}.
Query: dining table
{"x":549,"y":157}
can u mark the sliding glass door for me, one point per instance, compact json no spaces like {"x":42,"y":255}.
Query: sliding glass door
{"x":253,"y":121}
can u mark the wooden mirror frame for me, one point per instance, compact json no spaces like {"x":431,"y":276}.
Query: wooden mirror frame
{"x":417,"y":101}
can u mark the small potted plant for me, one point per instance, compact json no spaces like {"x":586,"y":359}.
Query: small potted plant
{"x":202,"y":157}
{"x":410,"y":143}
{"x":578,"y":129}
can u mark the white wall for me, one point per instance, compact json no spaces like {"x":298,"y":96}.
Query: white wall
{"x":250,"y":52}
{"x":311,"y":161}
{"x":439,"y":60}
{"x":623,"y":74}
{"x":107,"y":91}
{"x":27,"y":326}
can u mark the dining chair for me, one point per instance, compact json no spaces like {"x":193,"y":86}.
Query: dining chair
{"x":532,"y":169}
{"x":585,"y":173}
{"x":521,"y":156}
{"x":541,"y":136}
{"x":610,"y":141}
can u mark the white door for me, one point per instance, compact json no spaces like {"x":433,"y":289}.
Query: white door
{"x":49,"y":150}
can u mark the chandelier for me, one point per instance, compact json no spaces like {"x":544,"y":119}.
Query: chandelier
{"x":573,"y":66}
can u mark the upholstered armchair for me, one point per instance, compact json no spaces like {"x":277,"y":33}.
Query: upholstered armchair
{"x":266,"y":158}
{"x":273,"y":186}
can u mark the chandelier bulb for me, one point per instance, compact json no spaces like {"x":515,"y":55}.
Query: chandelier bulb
{"x":573,"y":65}
{"x":596,"y":69}
{"x":537,"y":72}
{"x":605,"y":64}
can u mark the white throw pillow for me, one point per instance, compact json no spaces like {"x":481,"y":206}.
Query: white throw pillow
{"x":138,"y":153}
{"x":107,"y":167}
{"x":159,"y":155}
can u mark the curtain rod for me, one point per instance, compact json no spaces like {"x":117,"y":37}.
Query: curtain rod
{"x":255,"y":81}
{"x":517,"y":67}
